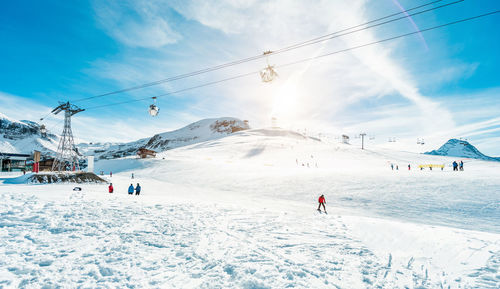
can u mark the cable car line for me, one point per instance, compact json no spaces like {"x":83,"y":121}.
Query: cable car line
{"x":336,"y":34}
{"x":305,"y":59}
{"x":285,"y":49}
{"x":177,"y":91}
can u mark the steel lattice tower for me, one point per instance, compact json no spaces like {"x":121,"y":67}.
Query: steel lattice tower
{"x":67,"y":156}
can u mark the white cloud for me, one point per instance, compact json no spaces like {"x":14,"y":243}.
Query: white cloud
{"x":20,"y":108}
{"x":320,"y":94}
{"x":135,"y":23}
{"x":372,"y":71}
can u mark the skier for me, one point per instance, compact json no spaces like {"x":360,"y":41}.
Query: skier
{"x":132,"y":176}
{"x":110,"y":174}
{"x":321,"y":201}
{"x":131,"y":189}
{"x":409,"y":167}
{"x":137,"y":189}
{"x":392,"y":166}
{"x":110,"y":188}
{"x":461,"y":165}
{"x":455,"y":166}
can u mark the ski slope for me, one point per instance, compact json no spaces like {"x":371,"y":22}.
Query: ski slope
{"x":239,"y":212}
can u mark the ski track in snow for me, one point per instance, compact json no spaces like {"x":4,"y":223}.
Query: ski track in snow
{"x":84,"y":242}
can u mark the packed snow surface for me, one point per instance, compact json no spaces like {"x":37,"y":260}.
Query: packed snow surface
{"x":240,"y":212}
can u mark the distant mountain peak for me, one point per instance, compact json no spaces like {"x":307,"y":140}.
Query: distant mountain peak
{"x":462,"y":149}
{"x":200,"y":131}
{"x":23,"y":136}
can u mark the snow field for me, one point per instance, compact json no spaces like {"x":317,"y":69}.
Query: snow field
{"x":238,"y":212}
{"x":95,"y":239}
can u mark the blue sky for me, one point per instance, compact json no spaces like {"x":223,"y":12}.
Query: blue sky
{"x":440,"y":86}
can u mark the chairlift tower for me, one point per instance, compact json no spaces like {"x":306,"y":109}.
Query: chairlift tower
{"x":66,"y":151}
{"x":362,"y":135}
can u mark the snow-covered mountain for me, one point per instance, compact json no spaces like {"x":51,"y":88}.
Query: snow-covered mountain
{"x":24,"y":137}
{"x":462,"y":149}
{"x":200,"y":131}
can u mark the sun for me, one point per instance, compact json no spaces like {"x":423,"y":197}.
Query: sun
{"x":286,"y":103}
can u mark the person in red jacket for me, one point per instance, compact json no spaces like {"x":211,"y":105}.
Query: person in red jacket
{"x":321,"y":201}
{"x":110,"y":188}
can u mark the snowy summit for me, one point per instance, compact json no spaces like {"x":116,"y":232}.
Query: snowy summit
{"x":461,"y":149}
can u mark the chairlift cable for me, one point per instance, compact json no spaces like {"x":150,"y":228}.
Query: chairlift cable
{"x":391,"y":38}
{"x":285,"y":49}
{"x":337,"y":34}
{"x":177,"y":91}
{"x":305,"y":59}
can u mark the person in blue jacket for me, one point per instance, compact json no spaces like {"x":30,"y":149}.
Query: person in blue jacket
{"x":137,"y":189}
{"x":131,"y":189}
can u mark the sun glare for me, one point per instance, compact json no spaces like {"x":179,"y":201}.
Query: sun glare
{"x":285,"y":103}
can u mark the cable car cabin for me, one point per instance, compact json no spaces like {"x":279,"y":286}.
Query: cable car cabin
{"x":145,"y":153}
{"x":153,"y":110}
{"x":268,"y":74}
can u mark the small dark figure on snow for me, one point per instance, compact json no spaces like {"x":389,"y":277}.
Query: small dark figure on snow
{"x":131,"y":189}
{"x":409,"y":167}
{"x":132,"y":176}
{"x":392,"y":166}
{"x":321,"y":202}
{"x":110,"y":188}
{"x":455,"y":166}
{"x":137,"y":189}
{"x":111,"y":174}
{"x":461,"y":165}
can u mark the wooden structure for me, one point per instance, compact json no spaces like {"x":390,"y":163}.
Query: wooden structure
{"x":45,"y":165}
{"x":36,"y":161}
{"x":10,"y":162}
{"x":345,"y":139}
{"x":144,"y":153}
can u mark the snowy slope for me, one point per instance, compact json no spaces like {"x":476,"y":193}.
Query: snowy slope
{"x":200,"y":131}
{"x":462,"y":149}
{"x":24,"y":137}
{"x":240,"y":212}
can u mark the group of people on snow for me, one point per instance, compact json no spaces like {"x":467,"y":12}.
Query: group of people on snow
{"x":137,"y":189}
{"x":131,"y":189}
{"x":458,"y":166}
